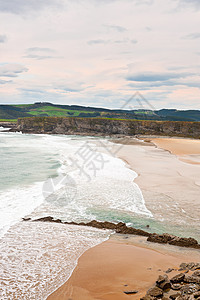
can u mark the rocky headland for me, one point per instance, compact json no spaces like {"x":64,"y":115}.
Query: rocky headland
{"x":106,"y":127}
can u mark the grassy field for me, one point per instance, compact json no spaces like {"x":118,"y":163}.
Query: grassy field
{"x":51,"y":111}
{"x":45,"y":109}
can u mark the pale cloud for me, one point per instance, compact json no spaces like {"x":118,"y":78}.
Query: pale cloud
{"x":98,"y":52}
{"x":3,"y":38}
{"x":155,"y":77}
{"x":116,"y":28}
{"x":5,"y":81}
{"x":40,"y":53}
{"x":192,"y":36}
{"x":11,"y":70}
{"x":39,"y":49}
{"x":98,"y":41}
{"x":23,"y":6}
{"x":191,"y":3}
{"x":104,"y":42}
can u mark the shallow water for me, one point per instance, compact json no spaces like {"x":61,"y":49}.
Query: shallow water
{"x":66,"y":177}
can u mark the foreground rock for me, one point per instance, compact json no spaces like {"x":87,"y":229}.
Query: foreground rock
{"x":123,"y":229}
{"x":179,"y":287}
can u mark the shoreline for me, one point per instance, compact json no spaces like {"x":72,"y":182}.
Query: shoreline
{"x":71,"y":286}
{"x":123,"y":229}
{"x":117,"y":266}
{"x":159,"y":174}
{"x":125,"y":239}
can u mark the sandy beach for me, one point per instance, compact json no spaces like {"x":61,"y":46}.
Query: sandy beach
{"x":167,"y":182}
{"x":118,"y":265}
{"x":187,"y":150}
{"x":123,"y":264}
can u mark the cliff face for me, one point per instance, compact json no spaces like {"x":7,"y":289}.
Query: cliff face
{"x":103,"y":127}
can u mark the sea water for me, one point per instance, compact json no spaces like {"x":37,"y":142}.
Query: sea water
{"x":66,"y":177}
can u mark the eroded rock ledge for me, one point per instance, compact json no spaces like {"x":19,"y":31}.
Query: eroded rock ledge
{"x":123,"y":229}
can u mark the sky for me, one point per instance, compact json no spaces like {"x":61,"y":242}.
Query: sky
{"x":101,"y":52}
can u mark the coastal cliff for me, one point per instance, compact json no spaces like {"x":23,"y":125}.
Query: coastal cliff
{"x":103,"y":127}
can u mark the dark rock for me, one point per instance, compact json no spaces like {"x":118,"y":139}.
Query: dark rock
{"x":163,"y":282}
{"x":101,"y":225}
{"x":160,"y":238}
{"x":130,"y":292}
{"x":188,"y":266}
{"x":183,"y":267}
{"x":44,"y":219}
{"x":166,"y":285}
{"x":169,"y":270}
{"x":155,"y":292}
{"x":184,"y":242}
{"x":161,"y":279}
{"x":196,"y":273}
{"x":48,"y":219}
{"x":178,"y":278}
{"x":192,"y":279}
{"x":26,"y":219}
{"x":98,"y":126}
{"x":123,"y":229}
{"x":196,"y":266}
{"x":147,"y":297}
{"x":197,"y":295}
{"x":189,"y":289}
{"x":174,"y":296}
{"x":176,"y":286}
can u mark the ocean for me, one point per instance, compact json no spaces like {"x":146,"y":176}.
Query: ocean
{"x":67,"y":177}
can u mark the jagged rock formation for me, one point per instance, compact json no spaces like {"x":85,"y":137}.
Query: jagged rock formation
{"x":105,"y":127}
{"x":123,"y":229}
{"x":180,"y":286}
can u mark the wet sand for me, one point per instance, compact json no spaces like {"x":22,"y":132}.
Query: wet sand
{"x":118,"y":265}
{"x":170,"y":186}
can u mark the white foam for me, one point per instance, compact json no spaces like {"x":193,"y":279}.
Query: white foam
{"x":17,"y":203}
{"x":110,"y":188}
{"x":4,"y":129}
{"x":36,"y":258}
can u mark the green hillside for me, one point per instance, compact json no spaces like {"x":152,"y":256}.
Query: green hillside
{"x":13,"y":112}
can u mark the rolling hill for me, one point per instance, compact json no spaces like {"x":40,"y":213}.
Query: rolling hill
{"x":45,"y":109}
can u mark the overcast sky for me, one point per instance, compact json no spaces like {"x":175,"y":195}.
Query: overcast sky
{"x":100,"y":52}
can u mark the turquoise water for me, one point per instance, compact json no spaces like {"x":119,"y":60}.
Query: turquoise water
{"x":29,"y":161}
{"x":23,"y":161}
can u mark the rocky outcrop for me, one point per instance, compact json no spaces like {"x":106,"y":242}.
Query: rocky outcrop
{"x":105,"y":127}
{"x":179,"y":287}
{"x":173,"y":240}
{"x":123,"y":229}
